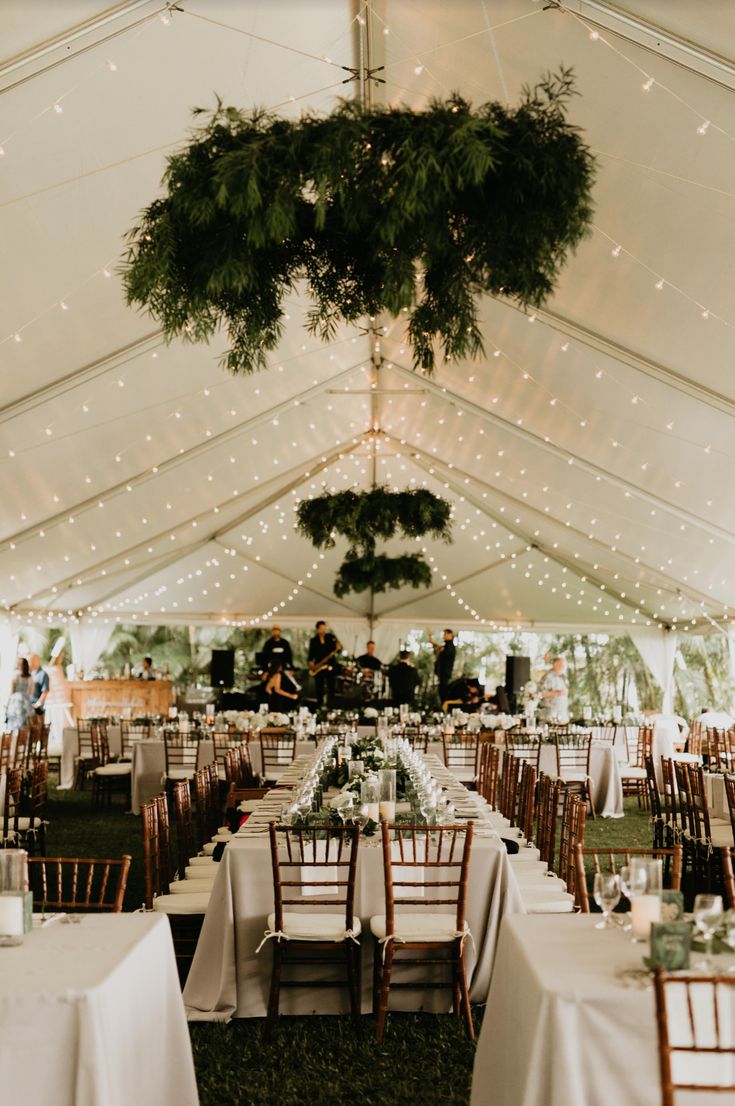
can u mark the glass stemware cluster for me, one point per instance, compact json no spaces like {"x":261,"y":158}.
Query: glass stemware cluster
{"x":430,"y":802}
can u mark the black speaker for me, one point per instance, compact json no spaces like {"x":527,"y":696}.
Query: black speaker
{"x":222,"y":668}
{"x":517,"y":673}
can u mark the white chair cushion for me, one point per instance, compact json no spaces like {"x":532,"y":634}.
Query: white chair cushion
{"x":115,"y":769}
{"x":525,"y":870}
{"x":575,"y":777}
{"x":205,"y":861}
{"x":534,"y":882}
{"x":180,"y":773}
{"x":721,"y":835}
{"x":181,"y":904}
{"x":208,"y":849}
{"x":24,"y":823}
{"x":314,"y":927}
{"x":629,"y":773}
{"x":190,"y":886}
{"x":201,"y":871}
{"x":552,"y":906}
{"x":426,"y":926}
{"x":526,"y":856}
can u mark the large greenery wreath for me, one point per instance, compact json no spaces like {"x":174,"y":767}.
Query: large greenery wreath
{"x":363,"y":518}
{"x":376,"y":210}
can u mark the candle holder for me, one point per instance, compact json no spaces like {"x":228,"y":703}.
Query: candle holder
{"x":387,"y":779}
{"x":370,"y":797}
{"x":646,"y":881}
{"x":16,"y":901}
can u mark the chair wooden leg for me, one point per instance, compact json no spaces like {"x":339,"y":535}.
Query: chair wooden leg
{"x":275,"y":991}
{"x":384,"y":991}
{"x":377,"y":971}
{"x":466,"y":1009}
{"x":352,"y":952}
{"x":590,"y":800}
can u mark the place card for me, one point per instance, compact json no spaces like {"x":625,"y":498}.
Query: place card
{"x":670,"y":945}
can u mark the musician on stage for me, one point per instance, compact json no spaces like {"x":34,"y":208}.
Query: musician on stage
{"x":444,"y":663}
{"x":277,"y":648}
{"x":323,"y":648}
{"x":368,"y":662}
{"x":281,"y":690}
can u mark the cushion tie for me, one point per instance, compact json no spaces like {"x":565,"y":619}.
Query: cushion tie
{"x":348,"y":935}
{"x":462,"y":934}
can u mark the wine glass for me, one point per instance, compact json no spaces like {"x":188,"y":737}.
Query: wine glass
{"x":707,"y":915}
{"x":606,"y":892}
{"x":729,"y":935}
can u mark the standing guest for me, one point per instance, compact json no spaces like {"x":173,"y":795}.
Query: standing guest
{"x":323,"y":648}
{"x":40,"y":689}
{"x":281,"y":690}
{"x":147,"y":673}
{"x":444,"y":663}
{"x":555,"y":693}
{"x":58,"y":701}
{"x":19,"y":706}
{"x":368,"y":662}
{"x":403,"y":679}
{"x":277,"y":648}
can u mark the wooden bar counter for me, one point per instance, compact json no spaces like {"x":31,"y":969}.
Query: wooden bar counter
{"x":92,"y":698}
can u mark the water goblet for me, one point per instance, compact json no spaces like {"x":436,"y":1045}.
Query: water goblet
{"x":707,"y":915}
{"x":606,"y":891}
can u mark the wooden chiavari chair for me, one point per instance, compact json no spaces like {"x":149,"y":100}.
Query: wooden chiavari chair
{"x":185,"y":911}
{"x":31,"y":827}
{"x":11,"y":807}
{"x":6,"y":750}
{"x":729,"y":779}
{"x":573,"y":765}
{"x":728,"y":877}
{"x":488,"y":771}
{"x":512,"y":769}
{"x":108,"y":775}
{"x":633,"y":774}
{"x":549,"y":797}
{"x":84,"y":761}
{"x":654,"y":801}
{"x":670,"y":801}
{"x":418,"y":736}
{"x":314,"y":871}
{"x":695,"y":739}
{"x":694,"y":1020}
{"x":278,"y":750}
{"x":424,"y":867}
{"x":20,"y":749}
{"x":527,"y":802}
{"x":617,"y":858}
{"x":524,"y":748}
{"x":605,"y":735}
{"x":461,"y":753}
{"x":224,"y":741}
{"x":207,"y":803}
{"x":131,"y":732}
{"x":82,"y":886}
{"x":182,"y":755}
{"x":38,"y":743}
{"x":185,"y":835}
{"x":574,"y":814}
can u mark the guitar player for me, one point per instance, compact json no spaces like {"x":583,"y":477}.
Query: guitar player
{"x":323,"y":648}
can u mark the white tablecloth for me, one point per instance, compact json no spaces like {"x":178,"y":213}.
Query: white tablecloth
{"x":91,"y":1015}
{"x":607,"y":790}
{"x":560,"y":1029}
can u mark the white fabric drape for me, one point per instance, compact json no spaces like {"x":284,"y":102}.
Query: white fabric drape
{"x":88,"y":643}
{"x":658,"y":651}
{"x":9,"y":635}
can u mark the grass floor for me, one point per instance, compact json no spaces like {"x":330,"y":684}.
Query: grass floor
{"x":424,"y":1058}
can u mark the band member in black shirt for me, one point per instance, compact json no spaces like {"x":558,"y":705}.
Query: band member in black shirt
{"x":281,"y":690}
{"x":368,"y":660}
{"x":444,"y":663}
{"x":403,"y":679}
{"x":323,"y":648}
{"x":277,"y":648}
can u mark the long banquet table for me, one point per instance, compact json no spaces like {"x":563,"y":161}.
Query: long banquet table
{"x":91,"y":1014}
{"x":561,"y":1028}
{"x":229,"y":979}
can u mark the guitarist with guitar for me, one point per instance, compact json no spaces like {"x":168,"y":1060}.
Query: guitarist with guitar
{"x":323,"y":648}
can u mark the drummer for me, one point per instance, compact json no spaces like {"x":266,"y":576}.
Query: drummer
{"x":368,"y":662}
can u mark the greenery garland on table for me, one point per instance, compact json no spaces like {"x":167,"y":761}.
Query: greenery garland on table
{"x":377,"y":210}
{"x":366,"y":517}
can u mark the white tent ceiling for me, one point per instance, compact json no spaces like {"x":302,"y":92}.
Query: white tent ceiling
{"x":587,"y":456}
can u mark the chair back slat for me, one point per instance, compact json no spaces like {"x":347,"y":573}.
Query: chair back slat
{"x":574,"y":814}
{"x":695,"y":1024}
{"x":278,"y":749}
{"x":314,"y":866}
{"x":81,"y":885}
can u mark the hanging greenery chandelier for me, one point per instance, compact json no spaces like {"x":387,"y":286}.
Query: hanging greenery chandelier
{"x":364,"y":518}
{"x":414,"y":213}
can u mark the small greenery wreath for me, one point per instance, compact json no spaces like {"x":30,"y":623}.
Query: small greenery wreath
{"x":381,"y":573}
{"x":415,"y":212}
{"x":366,"y":517}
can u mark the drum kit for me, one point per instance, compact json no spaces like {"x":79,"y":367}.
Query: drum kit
{"x":362,"y":685}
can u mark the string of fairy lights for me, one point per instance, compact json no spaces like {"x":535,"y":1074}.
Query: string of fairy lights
{"x":618,"y":251}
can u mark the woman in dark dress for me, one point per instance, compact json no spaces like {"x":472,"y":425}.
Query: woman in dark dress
{"x":281,"y":690}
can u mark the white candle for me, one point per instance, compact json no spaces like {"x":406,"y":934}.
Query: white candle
{"x":617,"y":714}
{"x":644,"y":910}
{"x":387,"y":810}
{"x":373,"y":812}
{"x":11,"y":915}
